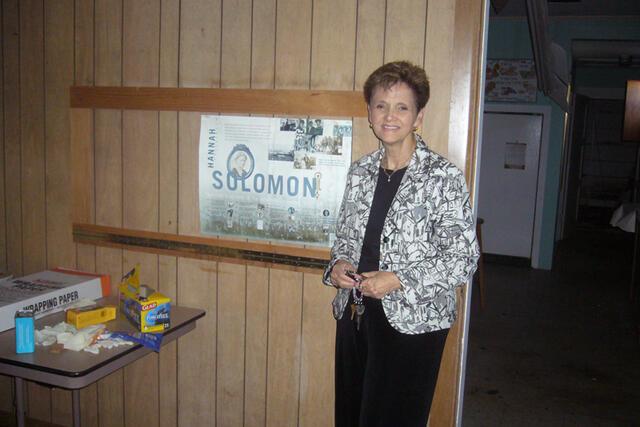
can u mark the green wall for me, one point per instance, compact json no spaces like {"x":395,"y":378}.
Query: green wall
{"x":509,"y":39}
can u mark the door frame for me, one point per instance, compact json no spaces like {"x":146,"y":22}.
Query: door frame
{"x":545,"y":111}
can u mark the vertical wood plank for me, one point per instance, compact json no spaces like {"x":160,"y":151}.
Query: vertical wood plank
{"x":32,"y":163}
{"x":140,"y":169}
{"x":141,"y":377}
{"x":84,"y":22}
{"x":263,"y":44}
{"x":200,"y":37}
{"x":333,"y":52}
{"x":293,"y":53}
{"x":256,"y":346}
{"x":168,"y":173}
{"x":200,"y":43}
{"x":369,"y":56}
{"x":231,"y":344}
{"x":108,"y":181}
{"x":200,"y":22}
{"x":257,"y":282}
{"x":82,"y":178}
{"x":108,"y":123}
{"x":6,"y":383}
{"x":32,"y":134}
{"x":235,"y":71}
{"x":6,"y":394}
{"x":364,"y":141}
{"x":369,"y":39}
{"x":83,"y":195}
{"x":140,"y":67}
{"x":141,"y":39}
{"x":443,"y":407}
{"x":110,"y":390}
{"x":293,"y":44}
{"x":168,"y":202}
{"x":405,"y":29}
{"x":188,"y":214}
{"x":12,"y":143}
{"x":283,"y":360}
{"x":465,"y":55}
{"x":168,"y":357}
{"x":110,"y":402}
{"x":235,"y":65}
{"x":58,"y":76}
{"x":317,"y":371}
{"x":81,"y":140}
{"x":108,"y":168}
{"x":197,"y":350}
{"x":3,"y":200}
{"x":438,"y":65}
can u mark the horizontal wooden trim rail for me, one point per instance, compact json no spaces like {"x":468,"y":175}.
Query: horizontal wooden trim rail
{"x":323,"y":103}
{"x":294,"y":258}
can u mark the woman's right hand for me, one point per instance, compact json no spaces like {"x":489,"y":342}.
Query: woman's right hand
{"x":338,"y":276}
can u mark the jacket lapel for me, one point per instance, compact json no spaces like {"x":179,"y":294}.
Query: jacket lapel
{"x":411,"y":184}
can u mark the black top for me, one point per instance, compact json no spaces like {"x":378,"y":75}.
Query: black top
{"x":386,"y":189}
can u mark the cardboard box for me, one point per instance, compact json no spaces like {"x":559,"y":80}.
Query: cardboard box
{"x":88,"y":316}
{"x":48,"y":292}
{"x":144,"y":307}
{"x":151,"y":314}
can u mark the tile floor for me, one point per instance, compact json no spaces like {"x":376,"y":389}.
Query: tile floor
{"x":560,"y":347}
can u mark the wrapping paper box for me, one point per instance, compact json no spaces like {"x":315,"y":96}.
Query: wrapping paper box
{"x":47,"y":292}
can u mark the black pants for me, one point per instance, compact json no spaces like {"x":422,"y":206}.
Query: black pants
{"x":383,"y":377}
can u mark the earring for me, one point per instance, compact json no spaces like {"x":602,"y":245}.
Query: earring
{"x":415,"y":129}
{"x":370,"y":126}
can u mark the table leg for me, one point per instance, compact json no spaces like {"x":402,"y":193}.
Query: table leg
{"x":75,"y":407}
{"x":19,"y":401}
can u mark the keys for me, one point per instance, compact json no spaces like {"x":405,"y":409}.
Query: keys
{"x":357,"y":310}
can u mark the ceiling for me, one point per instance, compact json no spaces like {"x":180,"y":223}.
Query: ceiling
{"x":608,"y":53}
{"x":513,"y":8}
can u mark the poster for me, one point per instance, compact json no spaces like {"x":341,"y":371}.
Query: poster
{"x":277,"y":179}
{"x":511,"y":80}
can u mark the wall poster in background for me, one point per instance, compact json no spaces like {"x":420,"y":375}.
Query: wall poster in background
{"x":511,"y":80}
{"x":278,"y":179}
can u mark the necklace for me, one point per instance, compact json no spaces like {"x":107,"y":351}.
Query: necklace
{"x":389,"y":175}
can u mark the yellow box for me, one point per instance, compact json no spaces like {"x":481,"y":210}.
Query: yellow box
{"x":148,"y":310}
{"x":83,"y":317}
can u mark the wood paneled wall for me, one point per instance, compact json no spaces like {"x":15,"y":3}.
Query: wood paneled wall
{"x":263,"y":355}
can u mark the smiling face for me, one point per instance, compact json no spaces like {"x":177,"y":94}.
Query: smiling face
{"x":393,"y":114}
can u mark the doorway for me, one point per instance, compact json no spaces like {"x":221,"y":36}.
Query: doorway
{"x":511,"y":181}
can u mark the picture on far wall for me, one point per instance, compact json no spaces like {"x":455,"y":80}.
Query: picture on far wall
{"x":510,"y":80}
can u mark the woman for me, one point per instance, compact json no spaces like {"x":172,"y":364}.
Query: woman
{"x":240,"y":169}
{"x":405,"y":240}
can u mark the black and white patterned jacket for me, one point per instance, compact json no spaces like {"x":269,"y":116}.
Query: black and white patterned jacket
{"x":428,"y":239}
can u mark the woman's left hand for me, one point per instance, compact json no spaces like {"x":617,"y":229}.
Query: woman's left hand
{"x":377,"y":284}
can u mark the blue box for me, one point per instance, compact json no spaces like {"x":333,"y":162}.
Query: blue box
{"x":25,"y":341}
